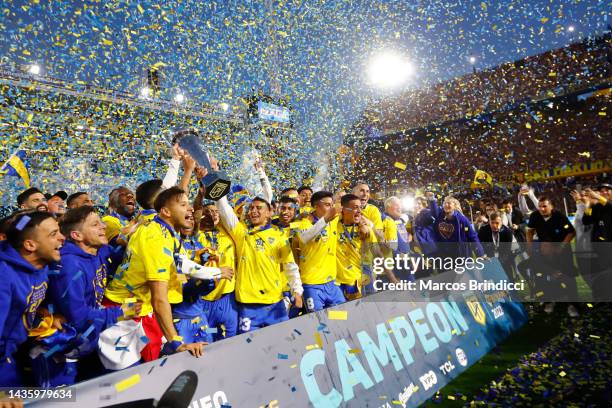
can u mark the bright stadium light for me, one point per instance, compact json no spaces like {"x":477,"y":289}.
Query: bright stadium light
{"x":571,"y":28}
{"x":407,"y":203}
{"x":34,"y":69}
{"x":389,"y":70}
{"x":179,"y":98}
{"x":145,"y":92}
{"x":472,"y":60}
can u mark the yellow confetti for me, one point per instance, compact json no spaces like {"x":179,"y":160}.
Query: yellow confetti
{"x":337,"y":315}
{"x":318,"y":339}
{"x":139,"y":7}
{"x":562,"y":374}
{"x":451,"y":397}
{"x":528,"y":125}
{"x":354,"y":351}
{"x":400,"y":166}
{"x":106,"y":42}
{"x":312,"y":346}
{"x":127,"y":383}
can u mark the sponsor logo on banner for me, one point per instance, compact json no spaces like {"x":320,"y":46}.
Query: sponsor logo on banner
{"x":461,"y":356}
{"x":476,"y":310}
{"x":429,"y":379}
{"x":406,"y":393}
{"x":447,"y":367}
{"x":498,"y":311}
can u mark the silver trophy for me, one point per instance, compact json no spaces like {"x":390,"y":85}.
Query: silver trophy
{"x":216,"y":183}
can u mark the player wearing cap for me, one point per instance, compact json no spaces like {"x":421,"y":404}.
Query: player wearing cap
{"x":56,"y":203}
{"x":318,"y":240}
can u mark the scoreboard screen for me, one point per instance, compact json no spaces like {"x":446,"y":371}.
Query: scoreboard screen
{"x":273,"y":113}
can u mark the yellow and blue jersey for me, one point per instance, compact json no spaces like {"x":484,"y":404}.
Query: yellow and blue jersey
{"x":372,"y":213}
{"x":317,"y":258}
{"x":219,"y":243}
{"x":260,"y":253}
{"x":350,"y":253}
{"x":148,"y":257}
{"x":114,"y":223}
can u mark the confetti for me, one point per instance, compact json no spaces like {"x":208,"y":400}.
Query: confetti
{"x":127,"y":383}
{"x":337,"y":315}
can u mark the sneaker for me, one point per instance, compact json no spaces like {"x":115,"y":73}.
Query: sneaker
{"x":572,"y":311}
{"x":549,"y":308}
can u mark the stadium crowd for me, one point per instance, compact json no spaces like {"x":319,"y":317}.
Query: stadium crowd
{"x":542,"y":76}
{"x":158,"y":274}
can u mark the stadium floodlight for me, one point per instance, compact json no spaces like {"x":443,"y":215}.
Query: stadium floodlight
{"x":389,"y":70}
{"x":145,"y":92}
{"x":179,"y":98}
{"x":34,"y":69}
{"x":407,"y":203}
{"x":571,"y":28}
{"x":472,"y":60}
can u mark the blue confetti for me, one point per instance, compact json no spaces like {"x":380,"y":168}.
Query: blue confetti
{"x":22,"y":223}
{"x":282,"y":356}
{"x":52,"y":351}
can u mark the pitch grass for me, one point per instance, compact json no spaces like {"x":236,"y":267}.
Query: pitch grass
{"x":538,"y":330}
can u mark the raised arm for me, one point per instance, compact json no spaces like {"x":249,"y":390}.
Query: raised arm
{"x":268,"y":194}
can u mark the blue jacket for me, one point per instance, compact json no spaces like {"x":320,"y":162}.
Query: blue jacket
{"x":22,"y":290}
{"x":458,"y":230}
{"x":77,"y":283}
{"x":424,"y":233}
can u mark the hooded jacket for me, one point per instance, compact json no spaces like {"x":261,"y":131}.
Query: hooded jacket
{"x":458,"y":229}
{"x":22,"y":290}
{"x":77,"y":283}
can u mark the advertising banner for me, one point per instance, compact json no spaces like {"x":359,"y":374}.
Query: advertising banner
{"x":387,"y":350}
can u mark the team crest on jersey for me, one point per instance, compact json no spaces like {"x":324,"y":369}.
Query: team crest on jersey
{"x":33,"y":301}
{"x":271,"y":240}
{"x":99,"y":283}
{"x":476,"y":310}
{"x":259,"y":244}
